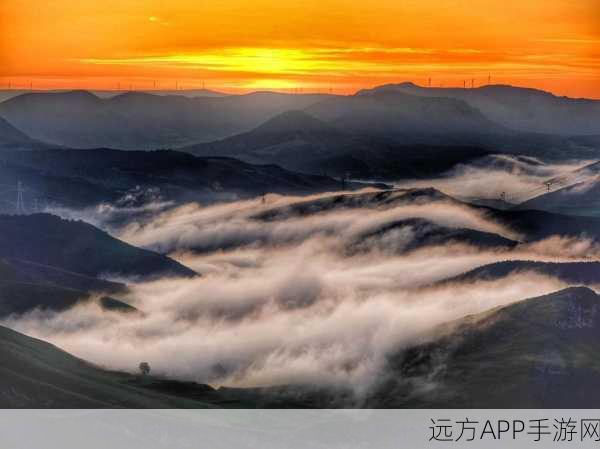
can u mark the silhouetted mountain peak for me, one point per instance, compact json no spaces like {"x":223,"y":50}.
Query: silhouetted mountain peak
{"x":74,"y":95}
{"x":410,"y":87}
{"x":518,"y":108}
{"x":53,"y":100}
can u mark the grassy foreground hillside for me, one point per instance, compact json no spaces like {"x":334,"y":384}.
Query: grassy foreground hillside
{"x":538,"y":353}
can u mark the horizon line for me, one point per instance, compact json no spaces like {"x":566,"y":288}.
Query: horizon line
{"x":229,"y":91}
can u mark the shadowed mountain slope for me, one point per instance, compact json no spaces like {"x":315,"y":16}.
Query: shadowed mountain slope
{"x":410,"y":234}
{"x":584,"y":273}
{"x":522,"y":109}
{"x":137,"y":120}
{"x":404,"y":116}
{"x":537,"y":225}
{"x":25,"y":286}
{"x":532,"y":224}
{"x":297,"y":141}
{"x":580,"y":199}
{"x":538,"y":353}
{"x":78,"y":247}
{"x":107,"y":175}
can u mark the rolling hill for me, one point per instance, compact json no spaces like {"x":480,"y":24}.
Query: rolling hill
{"x":521,"y":109}
{"x":532,"y":224}
{"x":104,"y":175}
{"x":297,"y":141}
{"x":356,"y":133}
{"x":388,"y":238}
{"x":35,"y":374}
{"x":538,"y":353}
{"x":537,"y":225}
{"x":406,"y":118}
{"x":7,"y":94}
{"x":43,"y":188}
{"x":582,"y":199}
{"x":78,"y":247}
{"x":53,"y":264}
{"x":292,"y":137}
{"x":142,"y":121}
{"x":575,"y":273}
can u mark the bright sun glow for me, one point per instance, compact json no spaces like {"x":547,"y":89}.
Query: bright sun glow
{"x":272,"y":44}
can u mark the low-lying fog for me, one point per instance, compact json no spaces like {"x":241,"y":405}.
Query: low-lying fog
{"x":519,"y":178}
{"x":318,"y":298}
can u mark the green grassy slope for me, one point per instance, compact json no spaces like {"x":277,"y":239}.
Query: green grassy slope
{"x":35,"y":374}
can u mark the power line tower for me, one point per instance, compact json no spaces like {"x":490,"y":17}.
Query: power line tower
{"x":20,"y":206}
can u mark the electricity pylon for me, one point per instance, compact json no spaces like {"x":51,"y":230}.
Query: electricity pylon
{"x":20,"y":202}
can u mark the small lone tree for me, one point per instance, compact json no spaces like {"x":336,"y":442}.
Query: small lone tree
{"x":144,"y":368}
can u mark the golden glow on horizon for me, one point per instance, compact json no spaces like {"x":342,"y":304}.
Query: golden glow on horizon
{"x":311,"y":44}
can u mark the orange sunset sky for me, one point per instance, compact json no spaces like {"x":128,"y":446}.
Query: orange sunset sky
{"x":313,"y":45}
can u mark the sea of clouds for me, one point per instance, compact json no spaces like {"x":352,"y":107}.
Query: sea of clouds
{"x":285,"y":297}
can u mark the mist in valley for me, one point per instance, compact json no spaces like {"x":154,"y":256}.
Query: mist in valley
{"x":512,"y":178}
{"x":320,"y":295}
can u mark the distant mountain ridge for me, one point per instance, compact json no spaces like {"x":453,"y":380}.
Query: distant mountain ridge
{"x":521,"y":109}
{"x":142,"y":121}
{"x":298,"y":141}
{"x":406,"y":112}
{"x":396,"y":113}
{"x":84,"y":178}
{"x":7,"y":94}
{"x":388,"y":133}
